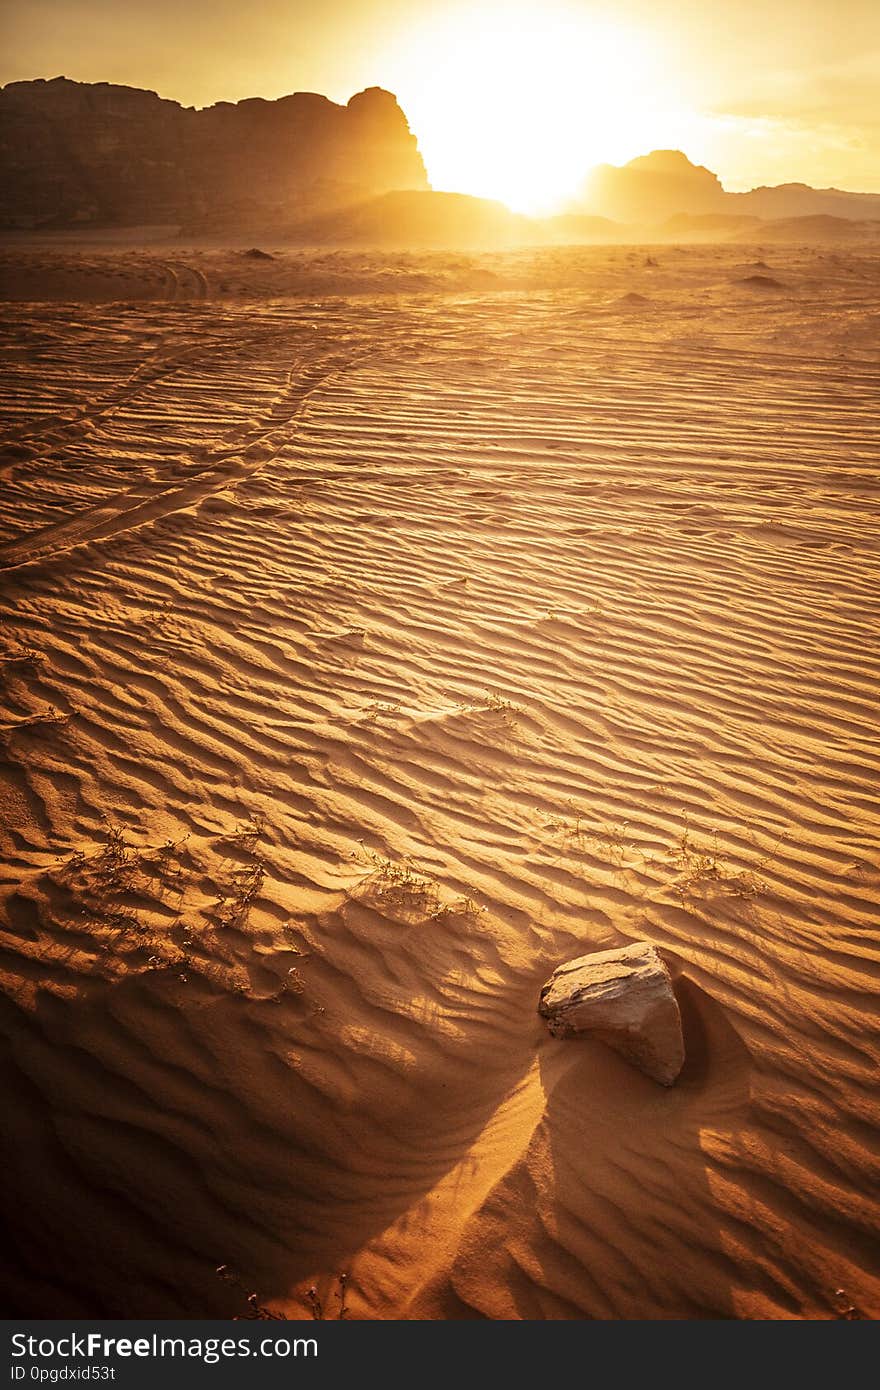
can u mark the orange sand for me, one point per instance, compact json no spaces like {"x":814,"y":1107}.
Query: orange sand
{"x":378,"y":634}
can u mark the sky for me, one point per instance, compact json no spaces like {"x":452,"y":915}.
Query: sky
{"x":512,"y":99}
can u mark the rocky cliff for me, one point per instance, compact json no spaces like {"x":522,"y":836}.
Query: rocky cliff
{"x":74,"y":153}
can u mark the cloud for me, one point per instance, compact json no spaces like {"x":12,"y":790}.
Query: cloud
{"x":843,"y":94}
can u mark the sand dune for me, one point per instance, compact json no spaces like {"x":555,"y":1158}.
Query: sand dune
{"x":380,"y":632}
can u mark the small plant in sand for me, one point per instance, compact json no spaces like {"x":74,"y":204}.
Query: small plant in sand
{"x":292,"y":983}
{"x":381,"y":708}
{"x":165,"y":868}
{"x":116,"y":881}
{"x":123,"y":919}
{"x":27,"y":657}
{"x":493,"y":704}
{"x":397,"y":882}
{"x":112,"y":870}
{"x":462,"y":906}
{"x":499,"y":704}
{"x":700,"y":863}
{"x":572,"y":825}
{"x":256,"y":1309}
{"x":236,"y":899}
{"x":246,"y":836}
{"x":49,"y":718}
{"x":316,"y":1304}
{"x":234,"y":905}
{"x":845,"y":1309}
{"x":102,"y":882}
{"x":396,"y":885}
{"x":578,"y":821}
{"x":613,"y":840}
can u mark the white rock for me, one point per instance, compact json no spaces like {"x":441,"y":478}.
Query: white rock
{"x":623,"y":997}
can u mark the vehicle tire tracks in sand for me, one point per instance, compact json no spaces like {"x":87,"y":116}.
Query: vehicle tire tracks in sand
{"x":146,"y":502}
{"x":74,"y":426}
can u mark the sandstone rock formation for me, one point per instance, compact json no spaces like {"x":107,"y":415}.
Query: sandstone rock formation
{"x":74,"y":154}
{"x":655,"y":187}
{"x":624,"y":998}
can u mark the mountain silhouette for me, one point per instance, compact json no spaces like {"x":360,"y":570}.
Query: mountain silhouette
{"x":654,"y":187}
{"x":80,"y":154}
{"x":77,"y":154}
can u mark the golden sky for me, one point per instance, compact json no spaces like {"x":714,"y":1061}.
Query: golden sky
{"x":510,"y":99}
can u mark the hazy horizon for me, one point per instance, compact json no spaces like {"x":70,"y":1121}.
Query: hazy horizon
{"x":517,"y":102}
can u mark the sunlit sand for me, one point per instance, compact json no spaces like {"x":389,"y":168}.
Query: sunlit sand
{"x":381,"y":631}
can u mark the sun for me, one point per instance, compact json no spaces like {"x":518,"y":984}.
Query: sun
{"x":516,"y":103}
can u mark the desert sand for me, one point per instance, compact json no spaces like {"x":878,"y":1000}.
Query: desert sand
{"x":381,"y":631}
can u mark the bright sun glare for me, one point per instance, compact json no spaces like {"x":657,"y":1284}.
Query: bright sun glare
{"x":517,"y":103}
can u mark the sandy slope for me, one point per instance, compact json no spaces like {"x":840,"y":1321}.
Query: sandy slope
{"x":366,"y":655}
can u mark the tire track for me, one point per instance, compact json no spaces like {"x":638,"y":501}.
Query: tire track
{"x":76,"y":425}
{"x":145,"y":503}
{"x":186,"y":282}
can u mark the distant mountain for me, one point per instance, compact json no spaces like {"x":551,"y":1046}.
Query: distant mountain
{"x":456,"y":221}
{"x":817,"y":227}
{"x":80,"y":154}
{"x":710,"y":226}
{"x":417,"y":219}
{"x":76,"y":154}
{"x":799,"y":200}
{"x":654,"y":187}
{"x":579,"y":228}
